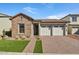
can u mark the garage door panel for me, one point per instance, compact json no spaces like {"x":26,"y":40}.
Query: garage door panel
{"x":45,"y":31}
{"x":75,"y":30}
{"x":57,"y":30}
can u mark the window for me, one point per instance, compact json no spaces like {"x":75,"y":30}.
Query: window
{"x":55,"y":26}
{"x":61,"y":26}
{"x":21,"y":28}
{"x":74,"y":19}
{"x":43,"y":25}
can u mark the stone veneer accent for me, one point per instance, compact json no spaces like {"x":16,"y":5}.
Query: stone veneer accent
{"x":26,"y":21}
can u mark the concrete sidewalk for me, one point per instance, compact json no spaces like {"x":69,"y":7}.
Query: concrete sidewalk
{"x":30,"y":47}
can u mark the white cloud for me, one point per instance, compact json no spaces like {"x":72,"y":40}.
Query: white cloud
{"x":58,"y":16}
{"x":30,"y":10}
{"x":52,"y":17}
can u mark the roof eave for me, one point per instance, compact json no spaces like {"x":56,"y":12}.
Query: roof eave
{"x":21,"y":14}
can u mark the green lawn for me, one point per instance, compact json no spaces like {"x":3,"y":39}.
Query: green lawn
{"x":13,"y":45}
{"x":38,"y":47}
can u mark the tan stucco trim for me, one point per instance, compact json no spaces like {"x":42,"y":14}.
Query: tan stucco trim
{"x":73,"y":24}
{"x":54,"y":23}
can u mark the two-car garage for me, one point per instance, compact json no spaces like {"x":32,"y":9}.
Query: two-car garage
{"x":52,"y":30}
{"x":52,"y":27}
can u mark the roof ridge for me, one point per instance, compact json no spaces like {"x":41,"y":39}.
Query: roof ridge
{"x":20,"y":14}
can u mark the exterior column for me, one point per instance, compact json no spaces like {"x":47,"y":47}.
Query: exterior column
{"x":32,"y":30}
{"x":51,"y":30}
{"x":39,"y":28}
{"x":65,"y":30}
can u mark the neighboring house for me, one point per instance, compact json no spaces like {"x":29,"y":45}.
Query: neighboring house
{"x":73,"y":26}
{"x":25,"y":26}
{"x":5,"y":23}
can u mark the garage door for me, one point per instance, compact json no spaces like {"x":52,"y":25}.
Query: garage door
{"x":57,"y":30}
{"x":75,"y":30}
{"x":45,"y":31}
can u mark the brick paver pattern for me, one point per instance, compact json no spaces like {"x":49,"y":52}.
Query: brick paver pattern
{"x":60,"y":44}
{"x":30,"y":47}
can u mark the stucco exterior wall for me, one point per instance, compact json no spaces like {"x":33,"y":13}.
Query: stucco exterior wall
{"x":74,"y":22}
{"x":5,"y":24}
{"x":66,"y":18}
{"x":69,"y":18}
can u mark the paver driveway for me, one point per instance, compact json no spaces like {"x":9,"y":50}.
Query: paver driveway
{"x":60,"y":44}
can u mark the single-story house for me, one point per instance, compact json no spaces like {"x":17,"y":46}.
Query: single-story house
{"x":22,"y":25}
{"x":25,"y":26}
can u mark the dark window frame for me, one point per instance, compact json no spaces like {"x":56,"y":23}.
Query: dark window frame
{"x":74,"y":18}
{"x":21,"y":28}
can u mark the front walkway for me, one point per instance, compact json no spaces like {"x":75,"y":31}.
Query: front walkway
{"x":30,"y":47}
{"x":60,"y":44}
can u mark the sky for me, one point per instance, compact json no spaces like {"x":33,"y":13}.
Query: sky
{"x":40,"y":10}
